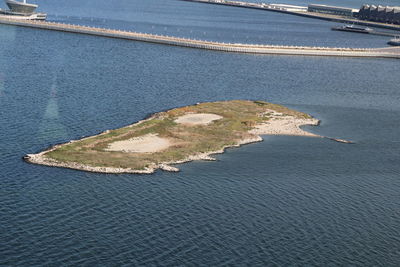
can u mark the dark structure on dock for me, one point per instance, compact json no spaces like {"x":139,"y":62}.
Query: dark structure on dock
{"x":384,"y":14}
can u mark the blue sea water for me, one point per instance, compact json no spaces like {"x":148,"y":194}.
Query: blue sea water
{"x":288,"y":201}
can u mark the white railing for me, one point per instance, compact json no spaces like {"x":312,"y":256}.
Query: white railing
{"x":194,"y":43}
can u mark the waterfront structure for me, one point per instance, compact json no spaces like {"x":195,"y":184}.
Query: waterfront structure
{"x":21,"y":10}
{"x":285,"y":7}
{"x":317,"y":12}
{"x":333,"y":10}
{"x":209,"y":45}
{"x":384,"y":14}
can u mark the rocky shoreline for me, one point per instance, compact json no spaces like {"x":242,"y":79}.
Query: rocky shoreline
{"x":292,"y":128}
{"x":41,"y":159}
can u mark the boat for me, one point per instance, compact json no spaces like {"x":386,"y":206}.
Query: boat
{"x":395,"y":41}
{"x":353,"y":28}
{"x":21,"y":7}
{"x":21,"y":10}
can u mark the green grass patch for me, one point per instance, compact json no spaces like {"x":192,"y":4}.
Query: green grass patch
{"x":239,"y":116}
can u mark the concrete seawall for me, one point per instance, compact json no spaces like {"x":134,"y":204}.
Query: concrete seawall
{"x":208,"y":45}
{"x":313,"y":15}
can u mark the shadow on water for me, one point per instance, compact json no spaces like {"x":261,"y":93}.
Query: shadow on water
{"x":7,"y":37}
{"x":51,"y":127}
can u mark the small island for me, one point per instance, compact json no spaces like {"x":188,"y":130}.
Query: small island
{"x":176,"y":136}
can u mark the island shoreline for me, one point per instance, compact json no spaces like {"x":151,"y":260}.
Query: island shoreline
{"x":40,"y":159}
{"x":279,"y":124}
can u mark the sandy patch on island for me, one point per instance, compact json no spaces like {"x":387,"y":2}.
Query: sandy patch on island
{"x":281,"y":124}
{"x":198,"y":119}
{"x":148,"y":143}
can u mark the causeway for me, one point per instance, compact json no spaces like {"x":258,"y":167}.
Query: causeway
{"x":209,"y":45}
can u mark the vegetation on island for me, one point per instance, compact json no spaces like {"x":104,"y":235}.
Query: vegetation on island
{"x":238,"y":118}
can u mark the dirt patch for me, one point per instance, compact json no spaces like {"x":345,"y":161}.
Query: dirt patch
{"x":198,"y":119}
{"x":149,"y":143}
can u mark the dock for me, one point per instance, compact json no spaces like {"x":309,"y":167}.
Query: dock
{"x":261,"y":49}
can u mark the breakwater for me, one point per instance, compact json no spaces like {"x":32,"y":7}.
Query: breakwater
{"x":208,"y":45}
{"x":299,"y":12}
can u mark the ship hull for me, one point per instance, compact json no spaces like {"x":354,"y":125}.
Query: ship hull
{"x":5,"y":14}
{"x":394,"y":43}
{"x":20,"y":7}
{"x":351,"y":30}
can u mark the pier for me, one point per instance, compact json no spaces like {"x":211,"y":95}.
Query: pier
{"x":209,"y":45}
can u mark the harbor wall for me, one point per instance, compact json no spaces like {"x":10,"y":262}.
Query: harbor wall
{"x":208,"y":45}
{"x":314,"y":15}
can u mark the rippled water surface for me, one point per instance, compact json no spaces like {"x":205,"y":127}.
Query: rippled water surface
{"x":285,"y":201}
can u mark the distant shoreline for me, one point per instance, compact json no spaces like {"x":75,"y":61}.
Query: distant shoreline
{"x":321,"y":16}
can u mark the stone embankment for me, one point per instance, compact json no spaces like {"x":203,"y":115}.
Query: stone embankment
{"x":208,"y":45}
